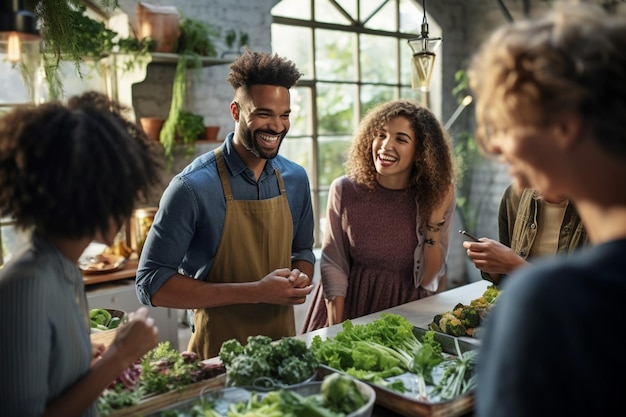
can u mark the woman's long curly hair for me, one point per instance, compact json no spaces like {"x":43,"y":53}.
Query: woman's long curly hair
{"x":433,"y":171}
{"x":67,"y":170}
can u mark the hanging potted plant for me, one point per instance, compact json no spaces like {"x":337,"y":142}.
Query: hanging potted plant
{"x":196,"y":40}
{"x":235,"y":42}
{"x":69,"y":34}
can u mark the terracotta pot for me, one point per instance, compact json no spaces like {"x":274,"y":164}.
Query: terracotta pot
{"x":210,"y":132}
{"x":159,"y":23}
{"x":152,"y":126}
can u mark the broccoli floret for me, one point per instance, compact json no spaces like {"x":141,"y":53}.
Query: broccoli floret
{"x":286,"y":347}
{"x":230,"y":350}
{"x":452,"y":325}
{"x":293,"y":370}
{"x":263,"y":363}
{"x":491,"y":294}
{"x":258,"y":345}
{"x":470,"y":317}
{"x":245,"y":370}
{"x":293,"y":361}
{"x":480,"y":302}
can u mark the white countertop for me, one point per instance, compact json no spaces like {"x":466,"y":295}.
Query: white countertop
{"x":420,"y":313}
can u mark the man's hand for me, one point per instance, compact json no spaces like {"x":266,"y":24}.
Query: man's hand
{"x":299,"y":278}
{"x":493,"y":257}
{"x":285,"y":287}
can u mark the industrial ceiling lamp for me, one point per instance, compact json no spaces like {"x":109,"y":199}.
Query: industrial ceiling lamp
{"x":424,"y":56}
{"x":17,"y":25}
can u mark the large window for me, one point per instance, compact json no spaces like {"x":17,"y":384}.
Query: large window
{"x":353,"y":54}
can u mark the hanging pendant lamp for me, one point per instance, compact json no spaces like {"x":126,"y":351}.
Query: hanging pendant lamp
{"x":17,"y":25}
{"x":423,"y":62}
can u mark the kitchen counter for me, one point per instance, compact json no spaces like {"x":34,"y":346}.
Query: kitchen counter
{"x":420,"y":312}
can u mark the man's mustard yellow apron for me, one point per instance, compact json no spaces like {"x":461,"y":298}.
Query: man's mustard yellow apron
{"x":256,"y":240}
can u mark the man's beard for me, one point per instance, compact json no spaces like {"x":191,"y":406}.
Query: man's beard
{"x":251,"y":145}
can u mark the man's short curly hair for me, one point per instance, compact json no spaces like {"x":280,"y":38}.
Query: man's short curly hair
{"x":67,"y":170}
{"x":262,"y":68}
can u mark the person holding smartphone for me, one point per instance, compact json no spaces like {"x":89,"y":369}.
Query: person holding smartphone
{"x":529,"y":226}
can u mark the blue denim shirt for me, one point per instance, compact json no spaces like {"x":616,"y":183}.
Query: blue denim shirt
{"x":188,"y":226}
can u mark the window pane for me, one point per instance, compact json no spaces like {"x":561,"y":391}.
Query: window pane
{"x":372,"y":95}
{"x":384,"y":19}
{"x":292,"y":8}
{"x":349,"y":71}
{"x":379,"y":59}
{"x":410,"y":17}
{"x":12,"y":87}
{"x":349,"y":6}
{"x":299,"y":150}
{"x":327,"y":12}
{"x":410,"y":94}
{"x":406,"y":57}
{"x":332,"y":151}
{"x":334,"y":55}
{"x":301,"y":113}
{"x":22,"y":82}
{"x":88,"y":79}
{"x":294,"y":43}
{"x":335,"y":108}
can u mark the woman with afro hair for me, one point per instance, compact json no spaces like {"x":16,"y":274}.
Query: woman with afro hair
{"x":69,"y":175}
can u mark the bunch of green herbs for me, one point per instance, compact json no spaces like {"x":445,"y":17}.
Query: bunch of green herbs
{"x":388,"y":347}
{"x":263,"y":363}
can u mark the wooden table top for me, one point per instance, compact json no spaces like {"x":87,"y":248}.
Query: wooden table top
{"x":128,"y":271}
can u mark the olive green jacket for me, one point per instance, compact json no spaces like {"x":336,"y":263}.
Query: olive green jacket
{"x":517,"y":224}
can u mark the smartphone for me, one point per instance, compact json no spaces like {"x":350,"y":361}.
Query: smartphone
{"x":469,"y":236}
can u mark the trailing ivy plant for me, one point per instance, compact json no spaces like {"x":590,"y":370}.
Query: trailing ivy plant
{"x":195,"y":41}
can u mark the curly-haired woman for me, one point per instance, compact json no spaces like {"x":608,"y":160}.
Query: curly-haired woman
{"x":70,"y":175}
{"x":388,"y":219}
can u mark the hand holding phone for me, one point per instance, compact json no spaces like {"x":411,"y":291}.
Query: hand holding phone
{"x":469,"y":236}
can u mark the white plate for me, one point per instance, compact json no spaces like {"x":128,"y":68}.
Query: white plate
{"x":101,"y":263}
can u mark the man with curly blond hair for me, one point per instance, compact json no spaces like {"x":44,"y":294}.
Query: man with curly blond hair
{"x":551,"y":100}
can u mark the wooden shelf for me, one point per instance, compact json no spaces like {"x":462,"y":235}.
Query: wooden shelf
{"x":172,"y":59}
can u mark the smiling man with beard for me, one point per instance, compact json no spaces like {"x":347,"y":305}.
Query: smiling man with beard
{"x":233,"y":237}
